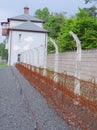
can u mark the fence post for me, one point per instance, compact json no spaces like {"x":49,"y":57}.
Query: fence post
{"x":24,"y":57}
{"x":37,"y":58}
{"x":21,"y":59}
{"x":45,"y":60}
{"x":33,"y":60}
{"x":32,"y":57}
{"x":56,"y":60}
{"x":28,"y":56}
{"x":78,"y":61}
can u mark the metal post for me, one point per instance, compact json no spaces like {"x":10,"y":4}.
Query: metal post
{"x":30,"y":57}
{"x":21,"y":59}
{"x":33,"y":61}
{"x":78,"y":61}
{"x":26,"y":57}
{"x":37,"y":63}
{"x":45,"y":59}
{"x":56,"y":60}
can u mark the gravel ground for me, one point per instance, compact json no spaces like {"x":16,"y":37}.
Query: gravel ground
{"x":22,"y":107}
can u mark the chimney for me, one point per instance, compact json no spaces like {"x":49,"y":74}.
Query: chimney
{"x":26,"y":10}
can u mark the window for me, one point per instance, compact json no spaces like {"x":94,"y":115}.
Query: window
{"x":19,"y":37}
{"x":19,"y":55}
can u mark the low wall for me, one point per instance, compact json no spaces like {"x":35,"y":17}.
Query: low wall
{"x":67,"y":63}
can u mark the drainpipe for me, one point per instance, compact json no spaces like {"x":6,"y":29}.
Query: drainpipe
{"x":10,"y":47}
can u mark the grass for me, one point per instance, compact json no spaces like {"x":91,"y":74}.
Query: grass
{"x":3,"y":65}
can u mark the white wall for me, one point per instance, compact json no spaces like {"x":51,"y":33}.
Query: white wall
{"x":16,"y":23}
{"x":67,"y":63}
{"x":29,"y":40}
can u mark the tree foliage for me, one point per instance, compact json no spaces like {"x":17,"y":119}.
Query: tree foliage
{"x":54,"y":24}
{"x":3,"y":51}
{"x":86,"y":28}
{"x":84,"y":24}
{"x":89,"y":1}
{"x":92,"y":11}
{"x":64,"y":40}
{"x":42,"y":14}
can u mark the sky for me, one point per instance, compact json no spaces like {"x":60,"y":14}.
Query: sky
{"x":11,"y":8}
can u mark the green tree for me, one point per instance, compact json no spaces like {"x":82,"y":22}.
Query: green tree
{"x":3,"y":51}
{"x":50,"y":47}
{"x":54,"y":24}
{"x":89,"y":1}
{"x":84,"y":24}
{"x":64,"y":40}
{"x":86,"y":28}
{"x":92,"y":11}
{"x":43,"y":14}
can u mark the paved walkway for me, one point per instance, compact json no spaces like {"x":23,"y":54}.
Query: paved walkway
{"x":22,"y":107}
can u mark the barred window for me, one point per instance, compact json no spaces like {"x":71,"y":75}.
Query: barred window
{"x":20,"y":35}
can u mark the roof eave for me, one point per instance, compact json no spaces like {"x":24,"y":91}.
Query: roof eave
{"x":25,"y":20}
{"x":4,"y":23}
{"x":39,"y":31}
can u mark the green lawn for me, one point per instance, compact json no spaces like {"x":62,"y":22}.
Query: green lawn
{"x":3,"y":65}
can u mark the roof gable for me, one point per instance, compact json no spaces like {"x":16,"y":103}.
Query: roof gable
{"x":29,"y":26}
{"x":25,"y":17}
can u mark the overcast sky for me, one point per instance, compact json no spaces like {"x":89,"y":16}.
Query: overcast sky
{"x":10,"y":8}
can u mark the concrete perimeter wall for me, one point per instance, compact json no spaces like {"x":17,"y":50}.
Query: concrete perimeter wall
{"x":67,"y":63}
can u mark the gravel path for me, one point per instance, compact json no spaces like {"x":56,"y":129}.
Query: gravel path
{"x":22,"y":107}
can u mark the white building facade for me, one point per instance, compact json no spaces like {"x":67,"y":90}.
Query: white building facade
{"x":24,"y":33}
